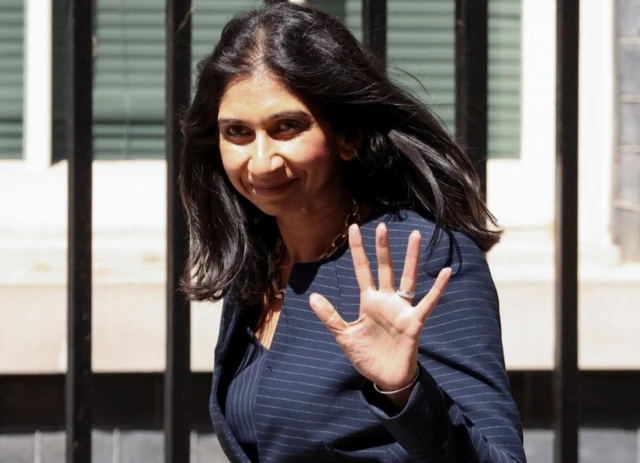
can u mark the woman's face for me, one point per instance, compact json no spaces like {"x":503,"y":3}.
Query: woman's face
{"x":276,"y":151}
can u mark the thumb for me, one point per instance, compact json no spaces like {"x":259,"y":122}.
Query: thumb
{"x":327,"y":313}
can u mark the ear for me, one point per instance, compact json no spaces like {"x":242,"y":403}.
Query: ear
{"x":348,"y":145}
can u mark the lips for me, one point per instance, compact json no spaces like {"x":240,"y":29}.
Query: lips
{"x":271,"y":190}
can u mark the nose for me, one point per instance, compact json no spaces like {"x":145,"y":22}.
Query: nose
{"x":264,"y":160}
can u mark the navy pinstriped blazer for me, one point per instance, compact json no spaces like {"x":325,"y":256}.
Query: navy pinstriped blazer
{"x":313,"y":406}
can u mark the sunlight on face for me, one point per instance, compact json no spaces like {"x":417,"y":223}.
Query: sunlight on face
{"x":277,"y":152}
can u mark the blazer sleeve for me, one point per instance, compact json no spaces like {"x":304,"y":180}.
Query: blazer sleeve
{"x":461,"y":409}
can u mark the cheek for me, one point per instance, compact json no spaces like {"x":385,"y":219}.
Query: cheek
{"x":312,"y":154}
{"x":232,"y":164}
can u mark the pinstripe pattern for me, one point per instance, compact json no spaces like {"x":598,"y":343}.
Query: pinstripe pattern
{"x":240,"y":406}
{"x":312,"y":406}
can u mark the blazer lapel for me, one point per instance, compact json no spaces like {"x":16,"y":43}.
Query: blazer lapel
{"x":222,"y":374}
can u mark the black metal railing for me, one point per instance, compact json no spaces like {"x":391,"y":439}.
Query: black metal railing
{"x":471,"y":132}
{"x":566,"y":290}
{"x":374,"y":28}
{"x":472,"y":47}
{"x":79,"y":381}
{"x":177,"y":377}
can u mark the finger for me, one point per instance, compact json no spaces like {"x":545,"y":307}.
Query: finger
{"x":360,"y":261}
{"x":383,"y":254}
{"x":327,"y":313}
{"x":409,"y":278}
{"x":428,"y":303}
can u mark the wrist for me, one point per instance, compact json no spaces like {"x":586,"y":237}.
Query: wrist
{"x":392,"y":391}
{"x":400,"y":399}
{"x":399,"y":396}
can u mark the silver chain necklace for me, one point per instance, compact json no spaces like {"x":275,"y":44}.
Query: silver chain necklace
{"x":338,"y":242}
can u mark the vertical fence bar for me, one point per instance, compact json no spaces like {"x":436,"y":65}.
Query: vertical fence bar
{"x":177,"y":378}
{"x":78,"y":380}
{"x":566,"y":348}
{"x":472,"y":82}
{"x":374,"y":28}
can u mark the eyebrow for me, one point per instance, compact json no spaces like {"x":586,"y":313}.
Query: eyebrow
{"x":295,"y":113}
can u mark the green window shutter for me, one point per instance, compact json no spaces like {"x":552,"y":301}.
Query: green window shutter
{"x":421,"y":52}
{"x":210,"y":17}
{"x":420,"y":47}
{"x":421,"y":42}
{"x":505,"y":52}
{"x":129,"y":81}
{"x":11,"y":78}
{"x":130,"y":65}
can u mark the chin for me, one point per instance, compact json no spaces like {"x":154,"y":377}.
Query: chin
{"x":272,"y":207}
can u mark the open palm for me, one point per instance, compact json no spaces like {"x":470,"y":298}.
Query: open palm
{"x":382,"y":344}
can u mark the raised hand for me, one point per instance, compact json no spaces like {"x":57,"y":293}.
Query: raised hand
{"x":382,"y":344}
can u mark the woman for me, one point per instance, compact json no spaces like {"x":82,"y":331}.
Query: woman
{"x":295,"y":143}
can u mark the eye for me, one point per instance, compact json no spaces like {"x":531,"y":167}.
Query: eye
{"x":288,"y":125}
{"x":235,"y":131}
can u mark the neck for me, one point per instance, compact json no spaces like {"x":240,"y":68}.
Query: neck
{"x":308,"y":233}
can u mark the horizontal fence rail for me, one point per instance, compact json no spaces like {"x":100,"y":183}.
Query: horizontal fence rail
{"x":134,"y":401}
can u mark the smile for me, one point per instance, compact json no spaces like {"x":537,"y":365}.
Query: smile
{"x":271,"y":190}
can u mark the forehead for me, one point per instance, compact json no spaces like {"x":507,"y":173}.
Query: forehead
{"x":258,"y":96}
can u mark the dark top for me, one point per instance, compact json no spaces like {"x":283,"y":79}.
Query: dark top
{"x":313,"y":406}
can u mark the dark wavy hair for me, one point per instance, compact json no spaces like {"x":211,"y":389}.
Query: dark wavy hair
{"x":405,"y":158}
